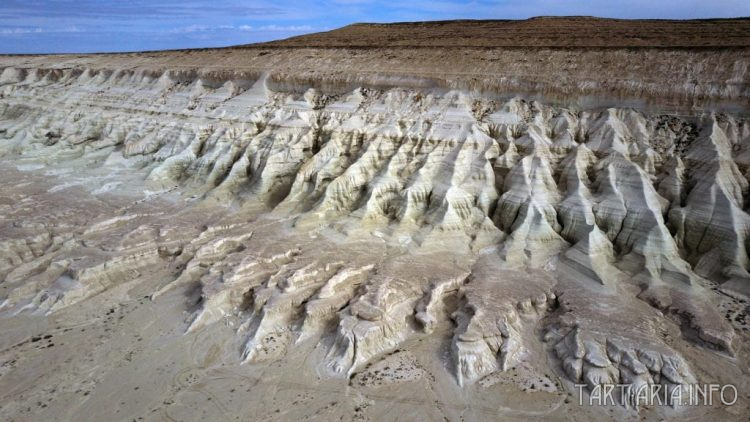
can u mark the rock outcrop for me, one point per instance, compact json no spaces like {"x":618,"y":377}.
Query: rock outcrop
{"x":398,"y":213}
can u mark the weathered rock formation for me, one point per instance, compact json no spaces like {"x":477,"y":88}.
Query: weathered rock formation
{"x":398,"y":213}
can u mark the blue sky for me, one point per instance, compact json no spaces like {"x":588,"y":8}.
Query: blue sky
{"x":45,"y":26}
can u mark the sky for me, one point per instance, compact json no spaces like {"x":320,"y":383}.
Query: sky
{"x":82,"y":26}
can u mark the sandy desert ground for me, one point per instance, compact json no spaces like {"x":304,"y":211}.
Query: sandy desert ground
{"x":457,"y":221}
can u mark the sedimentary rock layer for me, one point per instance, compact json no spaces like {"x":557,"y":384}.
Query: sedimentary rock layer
{"x":368,"y":217}
{"x":683,"y":67}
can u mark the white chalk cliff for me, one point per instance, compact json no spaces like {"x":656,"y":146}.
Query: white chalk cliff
{"x":502,"y":224}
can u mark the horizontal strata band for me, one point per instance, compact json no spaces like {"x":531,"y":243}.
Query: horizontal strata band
{"x":374,"y":215}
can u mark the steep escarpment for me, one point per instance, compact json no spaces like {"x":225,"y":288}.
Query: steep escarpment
{"x":683,"y":67}
{"x":603,"y":244}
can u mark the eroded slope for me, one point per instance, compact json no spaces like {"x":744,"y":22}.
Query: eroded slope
{"x":601,"y":244}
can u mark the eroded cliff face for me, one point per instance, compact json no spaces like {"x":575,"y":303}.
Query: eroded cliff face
{"x":603,"y":244}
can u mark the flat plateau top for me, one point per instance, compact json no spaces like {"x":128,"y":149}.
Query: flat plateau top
{"x":560,"y":32}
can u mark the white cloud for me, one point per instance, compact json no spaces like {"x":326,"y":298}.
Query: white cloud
{"x":17,"y":31}
{"x":200,"y":28}
{"x":244,"y":28}
{"x":289,"y":28}
{"x":38,"y":30}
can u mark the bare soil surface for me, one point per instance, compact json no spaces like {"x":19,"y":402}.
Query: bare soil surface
{"x":549,"y":32}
